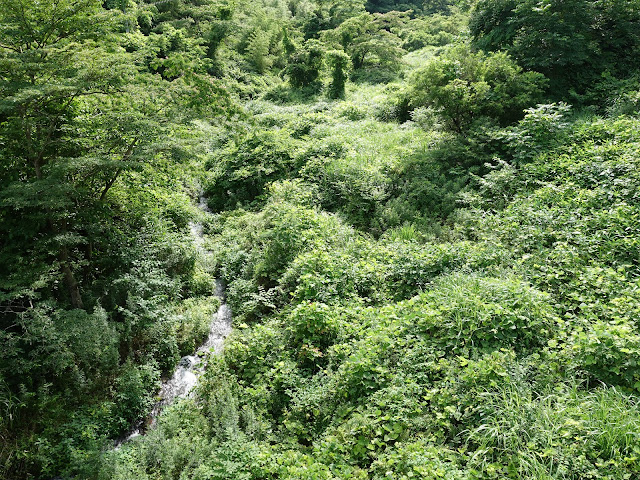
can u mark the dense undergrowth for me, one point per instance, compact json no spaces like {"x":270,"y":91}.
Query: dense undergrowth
{"x":501,"y":344}
{"x":432,"y":260}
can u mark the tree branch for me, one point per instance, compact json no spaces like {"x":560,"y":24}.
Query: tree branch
{"x":110,"y":183}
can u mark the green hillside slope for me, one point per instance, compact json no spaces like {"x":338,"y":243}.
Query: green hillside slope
{"x":426,"y":217}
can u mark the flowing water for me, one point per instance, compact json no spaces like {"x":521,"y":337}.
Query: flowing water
{"x":186,"y":374}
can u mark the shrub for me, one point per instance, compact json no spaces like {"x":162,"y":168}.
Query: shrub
{"x":303,"y":66}
{"x":543,"y":128}
{"x":135,"y":393}
{"x":339,"y":64}
{"x":485,"y":314}
{"x":608,"y":351}
{"x":247,"y":165}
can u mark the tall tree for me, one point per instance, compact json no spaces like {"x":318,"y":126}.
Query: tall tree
{"x":572,"y":42}
{"x":464,"y":86}
{"x":49,"y":62}
{"x":370,"y":37}
{"x":75,"y":114}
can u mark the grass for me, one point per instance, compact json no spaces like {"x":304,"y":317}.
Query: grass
{"x":558,"y":434}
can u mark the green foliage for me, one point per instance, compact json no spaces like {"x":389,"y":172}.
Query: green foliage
{"x":431,"y":275}
{"x":561,"y":433}
{"x":486,"y":324}
{"x":500,"y":343}
{"x":369,"y":38}
{"x":465,"y":86}
{"x":573,"y":43}
{"x":244,"y":168}
{"x":95,"y":197}
{"x":134,"y":398}
{"x":258,"y":49}
{"x":425,"y":7}
{"x":542,"y":128}
{"x":625,"y":102}
{"x":434,"y":30}
{"x":605,"y":350}
{"x":339,"y":64}
{"x":61,"y":349}
{"x":43,"y":73}
{"x":304,"y":65}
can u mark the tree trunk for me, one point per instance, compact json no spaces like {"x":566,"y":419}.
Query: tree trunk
{"x":70,"y":280}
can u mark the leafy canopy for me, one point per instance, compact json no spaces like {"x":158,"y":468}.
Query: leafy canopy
{"x":573,"y":42}
{"x":464,"y":86}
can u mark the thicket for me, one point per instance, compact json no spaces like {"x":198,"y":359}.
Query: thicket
{"x":428,"y":235}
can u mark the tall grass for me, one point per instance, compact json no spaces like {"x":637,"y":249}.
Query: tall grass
{"x":559,"y":434}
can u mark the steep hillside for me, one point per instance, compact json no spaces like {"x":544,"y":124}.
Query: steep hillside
{"x":425,"y":216}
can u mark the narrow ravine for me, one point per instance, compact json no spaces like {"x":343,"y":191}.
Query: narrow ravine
{"x":190,"y":367}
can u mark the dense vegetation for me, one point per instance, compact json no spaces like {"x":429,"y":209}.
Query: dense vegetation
{"x":426,"y":215}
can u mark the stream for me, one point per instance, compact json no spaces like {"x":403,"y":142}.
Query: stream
{"x":190,"y":367}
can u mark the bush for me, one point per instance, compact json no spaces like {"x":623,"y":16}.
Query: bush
{"x":543,"y":128}
{"x":135,"y":393}
{"x":607,"y":350}
{"x":475,"y":313}
{"x":247,"y":165}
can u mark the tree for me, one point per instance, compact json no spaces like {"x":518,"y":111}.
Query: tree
{"x":418,"y":6}
{"x":87,"y":133}
{"x":257,"y":50}
{"x":572,"y":42}
{"x":464,"y":86}
{"x":543,"y":36}
{"x":303,"y":66}
{"x":370,"y":37}
{"x":75,"y":115}
{"x":49,"y":62}
{"x":181,"y":35}
{"x":341,"y":10}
